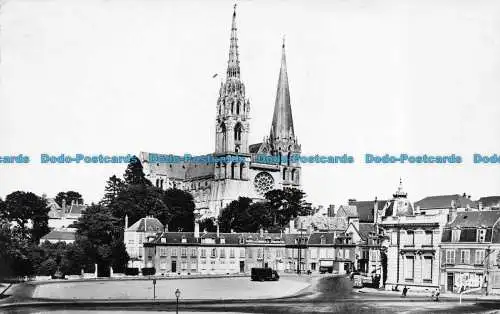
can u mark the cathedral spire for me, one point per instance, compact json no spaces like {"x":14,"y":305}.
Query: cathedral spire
{"x":233,"y":64}
{"x":282,"y":126}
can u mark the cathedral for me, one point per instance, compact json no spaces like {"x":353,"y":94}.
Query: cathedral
{"x":215,"y":184}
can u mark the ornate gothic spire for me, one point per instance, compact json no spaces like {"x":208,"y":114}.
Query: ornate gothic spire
{"x":233,"y":64}
{"x":282,"y":126}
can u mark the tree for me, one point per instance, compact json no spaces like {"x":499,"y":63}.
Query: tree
{"x":286,"y":204}
{"x":97,"y":234}
{"x":134,"y":173}
{"x":137,"y":201}
{"x":180,"y":210}
{"x":24,"y":207}
{"x":235,"y":216}
{"x":69,"y":197}
{"x":208,"y":224}
{"x":114,"y":186}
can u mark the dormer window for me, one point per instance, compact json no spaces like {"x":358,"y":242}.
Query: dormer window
{"x":323,"y":240}
{"x":183,"y":240}
{"x":222,"y":241}
{"x":163,"y":240}
{"x":455,"y":235}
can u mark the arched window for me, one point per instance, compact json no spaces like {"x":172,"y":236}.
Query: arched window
{"x":288,"y":157}
{"x":279,"y":157}
{"x":232,"y":107}
{"x":242,"y":165}
{"x":224,"y":139}
{"x":157,"y":183}
{"x":237,"y":132}
{"x":238,"y":108}
{"x":284,"y":173}
{"x":232,"y":170}
{"x":293,"y":175}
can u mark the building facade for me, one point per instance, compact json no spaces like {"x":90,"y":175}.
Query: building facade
{"x":215,"y":184}
{"x":470,"y":249}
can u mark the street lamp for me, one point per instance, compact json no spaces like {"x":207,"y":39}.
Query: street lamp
{"x":177,"y":295}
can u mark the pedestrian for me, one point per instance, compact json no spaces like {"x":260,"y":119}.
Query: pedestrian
{"x":437,"y":295}
{"x":405,"y":291}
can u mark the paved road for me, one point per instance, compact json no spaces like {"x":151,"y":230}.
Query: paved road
{"x":191,"y":289}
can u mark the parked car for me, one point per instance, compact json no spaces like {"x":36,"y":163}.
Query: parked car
{"x":264,"y":274}
{"x":58,"y":275}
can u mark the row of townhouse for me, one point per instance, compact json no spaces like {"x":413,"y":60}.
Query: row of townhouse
{"x":226,"y":253}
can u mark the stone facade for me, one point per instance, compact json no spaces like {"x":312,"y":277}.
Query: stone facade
{"x":215,"y":184}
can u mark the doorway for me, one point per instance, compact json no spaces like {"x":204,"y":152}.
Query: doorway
{"x":242,"y":266}
{"x":174,"y":266}
{"x":450,"y":282}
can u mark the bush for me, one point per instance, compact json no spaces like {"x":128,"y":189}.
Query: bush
{"x":148,"y":271}
{"x":132,"y":271}
{"x":47,"y":267}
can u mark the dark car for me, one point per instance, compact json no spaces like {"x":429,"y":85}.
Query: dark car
{"x":264,"y":274}
{"x":58,"y":275}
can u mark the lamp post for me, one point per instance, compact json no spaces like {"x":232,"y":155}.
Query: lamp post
{"x":177,"y":295}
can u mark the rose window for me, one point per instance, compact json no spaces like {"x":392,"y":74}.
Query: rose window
{"x":263,"y":183}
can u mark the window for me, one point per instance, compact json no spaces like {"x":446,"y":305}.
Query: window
{"x":184,"y":265}
{"x":183,"y":252}
{"x":322,"y":253}
{"x":223,"y":253}
{"x":394,"y":238}
{"x":231,"y":252}
{"x":330,"y":253}
{"x":479,"y":257}
{"x":203,"y":252}
{"x":427,"y":238}
{"x":450,"y":256}
{"x":481,"y":235}
{"x":346,"y":254}
{"x":242,"y":253}
{"x":323,"y":240}
{"x":222,"y":241}
{"x":183,"y":240}
{"x":250,"y":253}
{"x":314,"y":253}
{"x":464,"y":256}
{"x":340,"y":253}
{"x":409,"y":267}
{"x":214,"y":252}
{"x":193,"y":252}
{"x":259,"y":253}
{"x":278,"y":253}
{"x":163,"y":263}
{"x":410,"y":238}
{"x":455,"y":235}
{"x":427,"y":268}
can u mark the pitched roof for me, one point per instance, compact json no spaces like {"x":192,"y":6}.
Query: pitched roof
{"x":77,"y":209}
{"x":365,"y":229}
{"x":319,"y":222}
{"x":254,"y":148}
{"x":444,"y":201}
{"x":347,"y":211}
{"x":365,"y":209}
{"x":59,"y":235}
{"x":315,"y":238}
{"x":490,"y":201}
{"x":475,"y":219}
{"x":147,"y":224}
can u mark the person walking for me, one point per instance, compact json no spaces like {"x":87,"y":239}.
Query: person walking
{"x":405,"y":291}
{"x":437,"y":295}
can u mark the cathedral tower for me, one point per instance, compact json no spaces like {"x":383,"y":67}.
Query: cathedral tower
{"x":232,"y":121}
{"x":282,"y":140}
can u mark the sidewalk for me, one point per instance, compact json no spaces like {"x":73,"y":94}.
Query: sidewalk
{"x":427,"y":295}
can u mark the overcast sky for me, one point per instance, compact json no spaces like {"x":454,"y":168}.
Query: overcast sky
{"x":118,"y":77}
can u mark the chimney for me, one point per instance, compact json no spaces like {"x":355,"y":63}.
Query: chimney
{"x":196,"y":229}
{"x":218,"y":231}
{"x":261,"y":232}
{"x":331,"y":210}
{"x":452,"y":213}
{"x":126,"y":222}
{"x":292,"y":226}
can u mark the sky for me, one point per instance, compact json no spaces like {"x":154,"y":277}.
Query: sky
{"x":117,"y":77}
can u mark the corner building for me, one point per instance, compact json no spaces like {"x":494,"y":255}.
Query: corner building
{"x":214,"y":185}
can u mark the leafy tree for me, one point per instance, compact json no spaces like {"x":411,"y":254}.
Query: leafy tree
{"x":236,"y":216}
{"x":286,"y":204}
{"x":69,"y":197}
{"x":180,"y":210}
{"x":137,"y":201}
{"x":114,"y":186}
{"x":208,"y":224}
{"x":134,"y":174}
{"x":97,"y":234}
{"x":23,"y":207}
{"x":47,"y":267}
